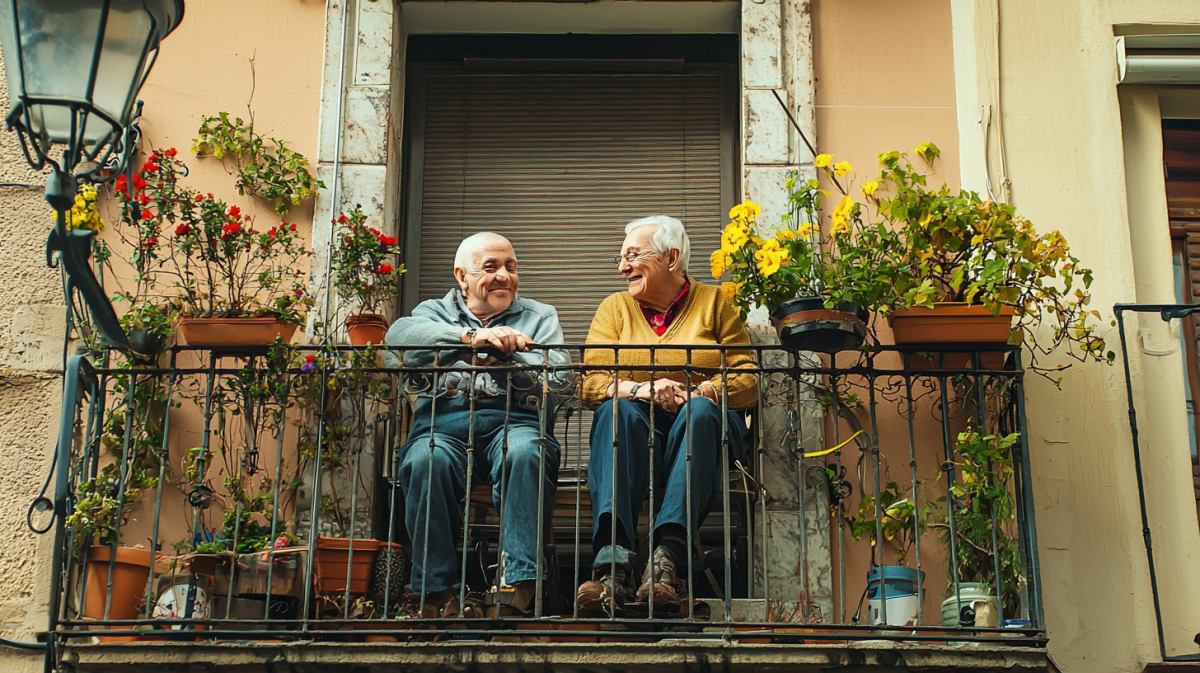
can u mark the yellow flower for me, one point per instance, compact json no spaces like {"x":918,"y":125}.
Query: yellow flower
{"x":868,"y":190}
{"x":720,"y":261}
{"x":745,"y":212}
{"x":785,"y":234}
{"x":806,"y":229}
{"x":841,"y":168}
{"x":842,"y":214}
{"x":770,"y":257}
{"x":730,"y":290}
{"x":83,"y":215}
{"x":823,"y":160}
{"x":734,"y":237}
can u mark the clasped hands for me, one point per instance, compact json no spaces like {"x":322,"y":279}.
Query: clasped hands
{"x":505,"y":339}
{"x":667,"y":393}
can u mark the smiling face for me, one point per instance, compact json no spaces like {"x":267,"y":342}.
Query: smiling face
{"x":491,"y":284}
{"x":653,"y":278}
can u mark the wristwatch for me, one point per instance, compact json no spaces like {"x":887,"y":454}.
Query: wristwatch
{"x":471,"y":336}
{"x":634,"y":390}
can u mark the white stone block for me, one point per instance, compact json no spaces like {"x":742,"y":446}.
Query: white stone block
{"x":366,"y":123}
{"x":762,"y":44}
{"x":768,"y":132}
{"x":373,"y":50}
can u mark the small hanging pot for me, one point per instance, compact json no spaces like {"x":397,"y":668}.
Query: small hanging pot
{"x":805,"y":324}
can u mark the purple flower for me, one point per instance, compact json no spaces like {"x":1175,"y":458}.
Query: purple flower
{"x":308,"y":368}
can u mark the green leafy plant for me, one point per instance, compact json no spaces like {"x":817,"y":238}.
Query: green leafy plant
{"x":982,"y":505}
{"x":853,"y":263}
{"x":132,"y":437}
{"x":266,"y":167}
{"x":899,"y":519}
{"x":366,"y":263}
{"x":961,"y":248}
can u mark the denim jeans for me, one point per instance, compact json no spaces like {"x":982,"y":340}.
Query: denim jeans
{"x":670,"y":474}
{"x":445,"y":472}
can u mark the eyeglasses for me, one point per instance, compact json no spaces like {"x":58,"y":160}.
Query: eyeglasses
{"x":631,"y":257}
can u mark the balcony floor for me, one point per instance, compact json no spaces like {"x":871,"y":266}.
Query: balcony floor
{"x":558,"y":657}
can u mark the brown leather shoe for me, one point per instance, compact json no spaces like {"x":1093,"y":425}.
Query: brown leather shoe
{"x":603,"y":597}
{"x":442,"y":604}
{"x":669,"y":590}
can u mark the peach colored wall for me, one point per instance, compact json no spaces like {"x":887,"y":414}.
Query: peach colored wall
{"x":885,"y":80}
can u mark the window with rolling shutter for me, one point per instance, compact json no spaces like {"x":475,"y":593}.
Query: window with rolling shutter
{"x":558,"y":163}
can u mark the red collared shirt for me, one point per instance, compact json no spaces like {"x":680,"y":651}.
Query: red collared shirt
{"x":661,"y":322}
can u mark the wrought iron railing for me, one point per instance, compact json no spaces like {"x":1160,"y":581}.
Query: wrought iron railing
{"x":256,"y":461}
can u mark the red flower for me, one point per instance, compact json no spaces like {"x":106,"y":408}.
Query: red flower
{"x":171,"y":152}
{"x":299,"y":292}
{"x":383,"y":269}
{"x":120,"y":184}
{"x":139,"y":183}
{"x":152,"y":241}
{"x":348,"y":239}
{"x":342,"y":219}
{"x":234,"y":212}
{"x":309,"y":358}
{"x":387,"y":240}
{"x":183,"y":229}
{"x":293,"y":227}
{"x":142,"y":198}
{"x":199,"y":198}
{"x":149,"y":167}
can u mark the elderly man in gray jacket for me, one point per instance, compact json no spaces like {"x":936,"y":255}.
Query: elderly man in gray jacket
{"x":483,"y":312}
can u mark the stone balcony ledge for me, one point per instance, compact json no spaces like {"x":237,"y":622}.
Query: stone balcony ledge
{"x":486,"y":657}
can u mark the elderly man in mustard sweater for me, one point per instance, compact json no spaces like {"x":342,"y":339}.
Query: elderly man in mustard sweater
{"x":664,"y":307}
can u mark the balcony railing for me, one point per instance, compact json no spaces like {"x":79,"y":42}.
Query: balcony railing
{"x":269,"y":487}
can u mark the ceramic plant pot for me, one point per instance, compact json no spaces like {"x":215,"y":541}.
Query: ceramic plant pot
{"x":226,"y":333}
{"x":805,"y":324}
{"x":365,"y":329}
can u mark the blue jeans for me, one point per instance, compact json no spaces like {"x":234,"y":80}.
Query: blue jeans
{"x":445,"y":472}
{"x":670,"y":473}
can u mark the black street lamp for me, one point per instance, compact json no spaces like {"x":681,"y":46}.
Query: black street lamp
{"x":74,"y":69}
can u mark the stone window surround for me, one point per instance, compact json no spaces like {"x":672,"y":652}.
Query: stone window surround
{"x":776,"y":56}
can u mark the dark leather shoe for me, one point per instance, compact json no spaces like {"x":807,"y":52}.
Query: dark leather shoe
{"x":603,"y":597}
{"x":669,"y":590}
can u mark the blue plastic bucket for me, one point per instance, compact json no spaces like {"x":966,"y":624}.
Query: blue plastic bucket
{"x":902,"y":587}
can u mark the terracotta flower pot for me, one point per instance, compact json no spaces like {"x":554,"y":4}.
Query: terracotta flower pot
{"x":333,"y":555}
{"x":804,"y":323}
{"x":368,"y":328}
{"x":957,"y":324}
{"x":130,"y":572}
{"x":234,"y":332}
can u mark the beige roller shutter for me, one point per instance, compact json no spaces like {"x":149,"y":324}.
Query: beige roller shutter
{"x":558,"y":163}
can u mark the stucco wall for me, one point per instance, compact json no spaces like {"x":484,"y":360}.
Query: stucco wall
{"x":204,"y":67}
{"x":884,"y":81}
{"x":1085,"y":162}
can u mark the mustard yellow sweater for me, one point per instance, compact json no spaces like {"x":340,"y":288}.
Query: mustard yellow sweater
{"x":707,"y":317}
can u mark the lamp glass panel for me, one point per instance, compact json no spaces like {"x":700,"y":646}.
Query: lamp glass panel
{"x":8,"y":46}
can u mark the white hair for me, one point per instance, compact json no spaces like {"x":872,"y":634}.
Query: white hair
{"x":468,"y":250}
{"x":669,"y":235}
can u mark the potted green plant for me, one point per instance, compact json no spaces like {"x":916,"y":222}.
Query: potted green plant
{"x":235,"y":286}
{"x":816,"y":285}
{"x":901,"y":523}
{"x":971,"y":271}
{"x":983,"y":509}
{"x":350,"y":393}
{"x":366,"y":270}
{"x":132,"y":435}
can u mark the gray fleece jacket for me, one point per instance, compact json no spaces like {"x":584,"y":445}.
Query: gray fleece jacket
{"x":442,"y":322}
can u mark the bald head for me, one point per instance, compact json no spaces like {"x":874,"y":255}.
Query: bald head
{"x":485,"y":267}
